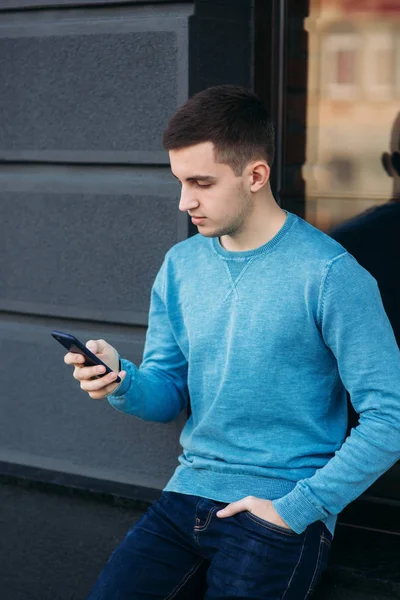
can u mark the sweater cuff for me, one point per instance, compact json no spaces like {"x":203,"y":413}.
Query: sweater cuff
{"x":297,"y":511}
{"x":125,"y":384}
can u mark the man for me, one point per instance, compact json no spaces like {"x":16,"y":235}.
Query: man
{"x":263,"y":322}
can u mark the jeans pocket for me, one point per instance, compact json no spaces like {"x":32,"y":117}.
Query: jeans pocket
{"x":268,"y":525}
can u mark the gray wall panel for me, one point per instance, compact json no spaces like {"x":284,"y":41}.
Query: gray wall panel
{"x":80,"y":251}
{"x":47,"y":420}
{"x":81,"y":244}
{"x":83,"y":89}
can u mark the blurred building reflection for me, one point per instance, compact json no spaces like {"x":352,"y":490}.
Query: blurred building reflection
{"x":353,"y":98}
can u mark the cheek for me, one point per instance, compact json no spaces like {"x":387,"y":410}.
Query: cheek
{"x":226,"y":199}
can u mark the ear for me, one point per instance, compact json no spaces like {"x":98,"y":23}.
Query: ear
{"x":259,"y":174}
{"x":386,"y":161}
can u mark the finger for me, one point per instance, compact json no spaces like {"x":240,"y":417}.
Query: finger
{"x":83,"y":373}
{"x":95,"y":385}
{"x":92,"y":345}
{"x":109,"y":389}
{"x":234,"y":507}
{"x":71,"y":358}
{"x":96,"y":346}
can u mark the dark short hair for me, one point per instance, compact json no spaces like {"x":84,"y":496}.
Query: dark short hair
{"x":231,"y":117}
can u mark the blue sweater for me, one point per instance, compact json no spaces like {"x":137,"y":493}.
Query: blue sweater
{"x":264,"y":342}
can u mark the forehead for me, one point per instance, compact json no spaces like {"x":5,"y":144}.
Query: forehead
{"x":196,"y":159}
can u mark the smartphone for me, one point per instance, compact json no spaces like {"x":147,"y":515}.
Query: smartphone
{"x":74,"y":345}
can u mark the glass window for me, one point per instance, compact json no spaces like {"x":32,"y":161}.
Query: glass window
{"x":352,"y":166}
{"x":352,"y":102}
{"x":339,"y":65}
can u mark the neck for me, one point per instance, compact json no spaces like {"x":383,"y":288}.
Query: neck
{"x":264,"y":222}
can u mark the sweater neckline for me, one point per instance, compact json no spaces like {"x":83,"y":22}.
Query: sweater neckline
{"x":229,"y":254}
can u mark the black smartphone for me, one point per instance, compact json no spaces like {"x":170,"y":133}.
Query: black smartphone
{"x":72,"y":344}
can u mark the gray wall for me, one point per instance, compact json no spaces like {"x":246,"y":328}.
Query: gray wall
{"x":89,"y":208}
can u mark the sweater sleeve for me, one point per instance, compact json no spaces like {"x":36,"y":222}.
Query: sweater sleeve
{"x":157,"y":390}
{"x":355,"y":327}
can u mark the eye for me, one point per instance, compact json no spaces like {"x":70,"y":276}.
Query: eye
{"x":207,"y":185}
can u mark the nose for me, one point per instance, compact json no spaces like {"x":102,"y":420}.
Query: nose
{"x":187,"y":200}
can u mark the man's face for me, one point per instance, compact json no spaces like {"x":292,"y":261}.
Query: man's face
{"x":211,"y":190}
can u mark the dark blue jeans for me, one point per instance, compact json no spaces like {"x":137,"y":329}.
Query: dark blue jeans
{"x":181,"y":550}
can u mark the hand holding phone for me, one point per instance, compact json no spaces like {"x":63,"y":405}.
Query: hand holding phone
{"x":96,"y":367}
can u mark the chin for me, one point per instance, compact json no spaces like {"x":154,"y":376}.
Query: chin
{"x":209,"y":234}
{"x":213,"y":233}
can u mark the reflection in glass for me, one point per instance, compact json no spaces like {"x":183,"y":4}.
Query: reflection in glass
{"x":352,"y":170}
{"x":353,"y":99}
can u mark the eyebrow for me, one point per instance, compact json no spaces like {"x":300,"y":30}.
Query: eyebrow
{"x":198,"y":178}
